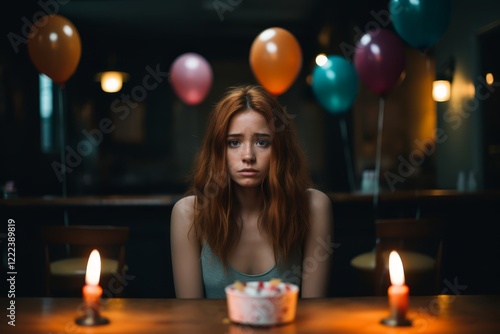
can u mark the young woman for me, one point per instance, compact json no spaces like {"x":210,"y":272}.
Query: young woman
{"x":251,"y":214}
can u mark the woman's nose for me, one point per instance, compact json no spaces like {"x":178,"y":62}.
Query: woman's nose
{"x":248,"y":154}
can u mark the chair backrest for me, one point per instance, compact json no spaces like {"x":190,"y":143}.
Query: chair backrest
{"x":419,"y":239}
{"x":87,"y":237}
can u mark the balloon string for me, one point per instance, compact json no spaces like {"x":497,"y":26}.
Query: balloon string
{"x":62,"y":141}
{"x":347,"y":152}
{"x":379,"y":154}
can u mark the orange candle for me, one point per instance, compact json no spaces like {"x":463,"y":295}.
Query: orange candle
{"x":92,"y":291}
{"x":398,"y":292}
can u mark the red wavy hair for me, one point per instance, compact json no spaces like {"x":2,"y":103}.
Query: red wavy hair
{"x":285,"y":216}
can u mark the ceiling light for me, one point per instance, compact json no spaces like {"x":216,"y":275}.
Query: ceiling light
{"x":112,"y":81}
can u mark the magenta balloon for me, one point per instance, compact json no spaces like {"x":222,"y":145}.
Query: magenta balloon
{"x":191,"y":78}
{"x":379,"y":59}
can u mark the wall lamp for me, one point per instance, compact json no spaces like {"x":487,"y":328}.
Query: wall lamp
{"x":441,"y":87}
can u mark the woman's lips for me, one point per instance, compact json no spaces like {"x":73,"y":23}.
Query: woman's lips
{"x":248,"y":172}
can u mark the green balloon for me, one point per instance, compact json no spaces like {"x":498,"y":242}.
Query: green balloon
{"x":335,"y":84}
{"x":420,"y":23}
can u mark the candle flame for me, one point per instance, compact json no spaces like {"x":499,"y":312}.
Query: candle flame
{"x":396,"y":270}
{"x":93,"y":268}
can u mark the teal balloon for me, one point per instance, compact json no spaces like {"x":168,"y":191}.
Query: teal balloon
{"x":420,"y":23}
{"x":335,"y":84}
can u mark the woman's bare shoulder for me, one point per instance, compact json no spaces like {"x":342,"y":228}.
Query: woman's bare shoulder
{"x":183,"y":209}
{"x":318,"y":198}
{"x":185,"y":202}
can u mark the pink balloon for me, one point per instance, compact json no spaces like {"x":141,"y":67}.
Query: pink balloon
{"x":379,"y":59}
{"x":191,"y":77}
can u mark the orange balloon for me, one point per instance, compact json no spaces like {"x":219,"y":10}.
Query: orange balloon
{"x":54,"y":47}
{"x":275,"y":59}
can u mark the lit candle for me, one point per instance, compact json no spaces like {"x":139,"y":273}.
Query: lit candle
{"x":92,"y":291}
{"x":398,"y":293}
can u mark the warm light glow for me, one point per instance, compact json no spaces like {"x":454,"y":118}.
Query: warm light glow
{"x":396,"y":270}
{"x":490,"y":79}
{"x":309,"y":79}
{"x":93,"y":269}
{"x":441,"y":90}
{"x":471,"y":90}
{"x":321,"y":59}
{"x":111,"y":82}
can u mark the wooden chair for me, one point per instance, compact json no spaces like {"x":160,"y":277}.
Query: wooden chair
{"x":419,"y":243}
{"x":67,"y":249}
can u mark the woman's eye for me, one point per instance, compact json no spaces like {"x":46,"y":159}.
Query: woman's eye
{"x":263,"y":143}
{"x":233,"y":143}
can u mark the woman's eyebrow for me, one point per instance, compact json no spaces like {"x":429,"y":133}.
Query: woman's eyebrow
{"x":256,"y":134}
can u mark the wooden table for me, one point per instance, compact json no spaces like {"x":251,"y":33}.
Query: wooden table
{"x":430,"y":314}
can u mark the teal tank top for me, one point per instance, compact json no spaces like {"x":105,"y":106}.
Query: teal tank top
{"x":215,"y":279}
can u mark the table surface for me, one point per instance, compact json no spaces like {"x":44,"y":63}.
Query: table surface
{"x":430,"y":314}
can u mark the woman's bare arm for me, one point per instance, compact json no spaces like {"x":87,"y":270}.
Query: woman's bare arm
{"x":318,"y":248}
{"x":185,"y":251}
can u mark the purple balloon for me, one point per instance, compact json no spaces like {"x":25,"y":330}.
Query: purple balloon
{"x":191,"y":77}
{"x":379,"y":59}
